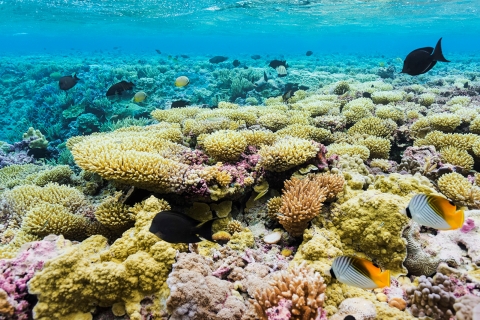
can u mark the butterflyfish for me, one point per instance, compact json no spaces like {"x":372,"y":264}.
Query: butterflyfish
{"x":181,"y":81}
{"x":435,"y":212}
{"x":140,"y":96}
{"x":359,"y":272}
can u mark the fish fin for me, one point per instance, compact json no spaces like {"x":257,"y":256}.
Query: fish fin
{"x":204,"y":229}
{"x":383,"y":279}
{"x":332,"y":273}
{"x":75,"y":76}
{"x":438,"y":54}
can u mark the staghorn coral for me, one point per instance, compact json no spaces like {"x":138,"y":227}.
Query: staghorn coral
{"x":372,"y":223}
{"x":301,"y":285}
{"x":458,"y":189}
{"x":432,"y":297}
{"x":374,"y":126}
{"x":224,"y":145}
{"x":92,"y":273}
{"x":457,"y":157}
{"x":382,"y":164}
{"x":301,"y":202}
{"x":343,"y":149}
{"x":475,"y":126}
{"x":287,"y":153}
{"x":341,"y":88}
{"x":15,"y":175}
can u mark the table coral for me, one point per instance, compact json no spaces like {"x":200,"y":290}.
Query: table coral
{"x":372,"y":221}
{"x":92,"y":273}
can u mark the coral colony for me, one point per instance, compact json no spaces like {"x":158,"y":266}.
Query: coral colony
{"x":270,"y":174}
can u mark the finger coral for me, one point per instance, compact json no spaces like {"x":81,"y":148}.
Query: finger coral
{"x":92,"y":273}
{"x":301,"y":202}
{"x":287,"y":153}
{"x":301,"y":285}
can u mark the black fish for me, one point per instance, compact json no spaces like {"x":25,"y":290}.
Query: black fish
{"x":158,"y":51}
{"x":287,"y":95}
{"x":180,"y":104}
{"x":275,"y":63}
{"x":67,"y":82}
{"x":367,"y":95}
{"x":175,"y":227}
{"x":184,"y":56}
{"x":465,"y":85}
{"x":218,"y":59}
{"x":302,"y":87}
{"x":236,"y":63}
{"x":422,"y":60}
{"x":118,"y":88}
{"x":265,"y":76}
{"x":255,"y":57}
{"x":309,"y":53}
{"x":291,"y":86}
{"x":245,"y":67}
{"x":349,"y":317}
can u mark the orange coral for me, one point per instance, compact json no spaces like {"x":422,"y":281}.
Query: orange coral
{"x":398,"y":303}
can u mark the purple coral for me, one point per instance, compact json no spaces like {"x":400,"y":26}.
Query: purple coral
{"x":468,"y":225}
{"x":16,"y":272}
{"x":281,"y":311}
{"x":433,"y":297}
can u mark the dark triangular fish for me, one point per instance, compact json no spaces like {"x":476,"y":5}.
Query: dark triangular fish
{"x":180,"y":104}
{"x":309,"y":53}
{"x":118,"y":88}
{"x":255,"y":57}
{"x":158,"y":51}
{"x":422,"y":60}
{"x":276,"y":63}
{"x":367,"y":95}
{"x":184,"y":56}
{"x":175,"y":227}
{"x":287,"y":95}
{"x":218,"y":59}
{"x":291,"y":86}
{"x":236,"y":63}
{"x":302,"y":87}
{"x":465,"y":85}
{"x":265,"y":76}
{"x":67,"y":82}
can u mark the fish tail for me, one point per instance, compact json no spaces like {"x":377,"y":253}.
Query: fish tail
{"x":75,"y":76}
{"x":437,"y":53}
{"x":205,"y":229}
{"x":456,"y":221}
{"x":383,"y":279}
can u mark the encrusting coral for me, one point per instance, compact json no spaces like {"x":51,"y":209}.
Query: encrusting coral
{"x":92,"y":273}
{"x":301,"y":285}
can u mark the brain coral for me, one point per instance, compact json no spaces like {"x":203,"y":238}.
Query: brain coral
{"x":92,"y":273}
{"x":372,"y":222}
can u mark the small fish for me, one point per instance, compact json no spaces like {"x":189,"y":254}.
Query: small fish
{"x":236,"y":63}
{"x":287,"y":95}
{"x":68,"y":82}
{"x":309,"y":53}
{"x":158,"y":51}
{"x":180,"y":104}
{"x":367,"y":95}
{"x":119,"y":87}
{"x":218,"y":59}
{"x":435,"y":212}
{"x":281,"y":71}
{"x":140,"y":96}
{"x":465,"y":85}
{"x":176,"y":227}
{"x":359,"y":273}
{"x":422,"y":60}
{"x":255,"y":57}
{"x":265,"y":76}
{"x":276,"y":63}
{"x":181,"y":81}
{"x":302,"y":87}
{"x":184,"y":56}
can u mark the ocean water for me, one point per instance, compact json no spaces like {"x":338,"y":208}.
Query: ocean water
{"x":359,"y":48}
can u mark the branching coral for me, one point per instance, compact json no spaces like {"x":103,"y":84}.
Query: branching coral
{"x":301,"y":285}
{"x":441,"y":140}
{"x":457,"y":157}
{"x":287,"y":153}
{"x":301,"y":202}
{"x":374,"y":126}
{"x":113,"y":214}
{"x":378,"y":147}
{"x":457,"y":188}
{"x":343,"y":149}
{"x":224,"y":145}
{"x":305,"y":132}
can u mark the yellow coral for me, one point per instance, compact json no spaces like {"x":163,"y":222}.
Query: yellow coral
{"x":441,"y":140}
{"x":175,"y":115}
{"x":382,"y":164}
{"x":358,"y":109}
{"x":386,"y":97}
{"x":305,"y":132}
{"x":374,"y":126}
{"x":457,"y":157}
{"x":426,"y":99}
{"x":91,"y":273}
{"x":378,"y":147}
{"x":225,"y":145}
{"x":388,"y":112}
{"x":286,"y":153}
{"x":457,"y":188}
{"x":445,"y":122}
{"x":273,"y":121}
{"x":343,"y":149}
{"x":273,"y":207}
{"x":258,"y":138}
{"x":113,"y":214}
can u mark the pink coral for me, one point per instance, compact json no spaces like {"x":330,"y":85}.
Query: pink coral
{"x":16,"y":272}
{"x":281,"y":311}
{"x":468,"y":225}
